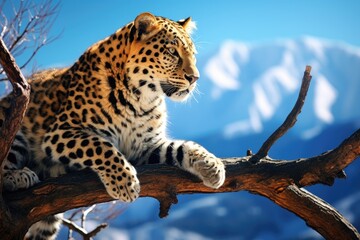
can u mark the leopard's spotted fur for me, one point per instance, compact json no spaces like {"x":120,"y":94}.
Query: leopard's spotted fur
{"x":107,"y":112}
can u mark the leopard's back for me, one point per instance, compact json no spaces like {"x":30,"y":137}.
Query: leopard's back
{"x":48,"y":93}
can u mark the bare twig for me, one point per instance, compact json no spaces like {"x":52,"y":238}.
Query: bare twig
{"x":96,"y":230}
{"x":289,"y":121}
{"x":27,"y":30}
{"x":85,"y":213}
{"x":71,"y":225}
{"x":35,"y":51}
{"x":22,"y":34}
{"x":86,"y":235}
{"x":81,"y":215}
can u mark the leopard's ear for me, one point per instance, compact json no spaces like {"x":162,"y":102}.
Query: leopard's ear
{"x":188,"y":25}
{"x":146,"y":26}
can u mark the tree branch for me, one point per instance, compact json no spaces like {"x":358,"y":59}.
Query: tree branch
{"x":277,"y":180}
{"x":289,"y":121}
{"x":85,"y":234}
{"x":316,"y":212}
{"x":10,"y":125}
{"x":20,"y":96}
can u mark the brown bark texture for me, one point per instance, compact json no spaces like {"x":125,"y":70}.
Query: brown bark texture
{"x":21,"y":96}
{"x":8,"y":129}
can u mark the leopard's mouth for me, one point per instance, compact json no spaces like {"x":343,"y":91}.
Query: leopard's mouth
{"x":176,"y":92}
{"x":169,"y":89}
{"x":183,"y":92}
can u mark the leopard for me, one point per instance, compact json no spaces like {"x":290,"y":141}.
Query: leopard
{"x":107,"y":112}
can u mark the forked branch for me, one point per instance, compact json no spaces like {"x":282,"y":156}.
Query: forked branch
{"x":85,"y":234}
{"x":25,"y":29}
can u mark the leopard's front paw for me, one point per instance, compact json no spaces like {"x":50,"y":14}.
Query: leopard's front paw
{"x":123,"y":185}
{"x":211,"y":171}
{"x":20,"y":178}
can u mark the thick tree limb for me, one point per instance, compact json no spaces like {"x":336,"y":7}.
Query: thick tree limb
{"x":13,"y":118}
{"x":316,"y":212}
{"x":277,"y":180}
{"x":20,"y":94}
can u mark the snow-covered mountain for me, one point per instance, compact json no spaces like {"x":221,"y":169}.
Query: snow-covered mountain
{"x":248,"y":87}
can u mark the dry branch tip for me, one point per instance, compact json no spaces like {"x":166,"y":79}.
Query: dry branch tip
{"x":341,"y":174}
{"x":289,"y":121}
{"x":166,"y":201}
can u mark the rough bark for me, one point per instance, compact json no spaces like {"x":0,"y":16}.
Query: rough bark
{"x":20,"y":94}
{"x":9,"y":128}
{"x":278,"y":180}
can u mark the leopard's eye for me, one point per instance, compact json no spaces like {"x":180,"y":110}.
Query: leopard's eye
{"x":172,"y":51}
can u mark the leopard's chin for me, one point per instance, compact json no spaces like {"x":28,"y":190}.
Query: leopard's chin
{"x":182,"y":95}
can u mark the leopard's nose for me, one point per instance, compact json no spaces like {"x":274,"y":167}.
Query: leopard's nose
{"x":191,"y":78}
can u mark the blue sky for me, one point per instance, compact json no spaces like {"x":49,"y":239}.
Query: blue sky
{"x":82,"y":23}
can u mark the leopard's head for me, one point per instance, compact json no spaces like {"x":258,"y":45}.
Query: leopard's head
{"x":163,"y":56}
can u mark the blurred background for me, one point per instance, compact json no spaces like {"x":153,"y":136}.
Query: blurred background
{"x":252,"y":55}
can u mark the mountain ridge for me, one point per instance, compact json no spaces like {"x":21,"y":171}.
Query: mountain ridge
{"x":246,"y":87}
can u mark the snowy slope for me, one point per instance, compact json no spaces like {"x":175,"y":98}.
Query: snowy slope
{"x":247,"y":88}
